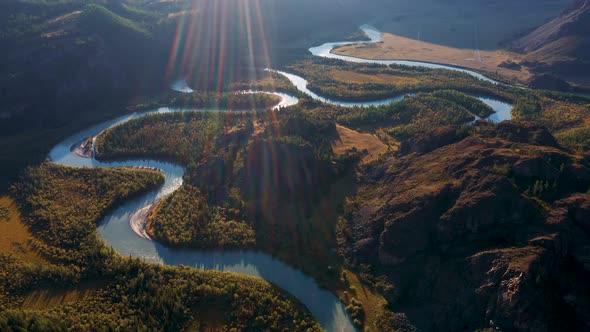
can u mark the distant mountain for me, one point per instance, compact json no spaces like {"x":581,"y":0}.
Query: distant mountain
{"x":561,"y":47}
{"x":67,"y":62}
{"x":78,"y":54}
{"x":62,"y":58}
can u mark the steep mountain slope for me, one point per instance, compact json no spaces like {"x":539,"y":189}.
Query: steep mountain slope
{"x":490,"y":230}
{"x":66,"y":64}
{"x":70,"y":57}
{"x":80,"y":54}
{"x":571,"y":21}
{"x":562,"y":46}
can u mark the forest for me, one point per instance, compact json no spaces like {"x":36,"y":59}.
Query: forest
{"x":266,"y":81}
{"x":259,"y":179}
{"x":257,"y":172}
{"x":417,"y":114}
{"x":186,"y":219}
{"x":126,"y":293}
{"x":62,"y":233}
{"x":341,"y":80}
{"x":225,"y":185}
{"x":578,"y":138}
{"x":193,"y":136}
{"x":91,"y":60}
{"x":347,"y":81}
{"x":231,"y":101}
{"x":185,"y":137}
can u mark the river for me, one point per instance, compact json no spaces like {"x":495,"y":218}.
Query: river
{"x":115,"y":228}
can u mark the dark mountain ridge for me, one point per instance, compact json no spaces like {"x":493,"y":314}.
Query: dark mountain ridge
{"x":560,"y":47}
{"x":71,"y":63}
{"x":488,"y":230}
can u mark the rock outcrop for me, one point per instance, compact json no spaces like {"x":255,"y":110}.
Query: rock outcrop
{"x":484,"y":232}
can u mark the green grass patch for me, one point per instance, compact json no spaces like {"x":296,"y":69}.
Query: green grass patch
{"x":576,"y":138}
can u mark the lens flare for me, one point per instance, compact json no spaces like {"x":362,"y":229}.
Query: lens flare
{"x":219,"y":42}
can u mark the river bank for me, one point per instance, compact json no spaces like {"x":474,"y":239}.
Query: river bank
{"x":490,"y":62}
{"x":123,"y":228}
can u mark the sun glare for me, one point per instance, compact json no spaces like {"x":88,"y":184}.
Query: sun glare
{"x":235,"y":38}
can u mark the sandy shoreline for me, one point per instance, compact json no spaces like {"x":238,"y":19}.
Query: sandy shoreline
{"x":82,"y":150}
{"x":139,"y":219}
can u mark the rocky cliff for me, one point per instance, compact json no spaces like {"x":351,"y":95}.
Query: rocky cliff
{"x":484,"y":231}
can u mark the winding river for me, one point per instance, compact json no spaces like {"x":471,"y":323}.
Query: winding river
{"x":115,"y":228}
{"x":325,"y":51}
{"x":502,"y":110}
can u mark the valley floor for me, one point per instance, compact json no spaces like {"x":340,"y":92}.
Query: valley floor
{"x":396,"y":47}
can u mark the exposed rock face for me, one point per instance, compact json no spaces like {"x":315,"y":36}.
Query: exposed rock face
{"x":523,"y":132}
{"x":475,"y":233}
{"x":430,"y":141}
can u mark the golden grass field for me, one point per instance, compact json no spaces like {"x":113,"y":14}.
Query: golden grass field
{"x":372,"y":301}
{"x":215,"y":321}
{"x":14,"y":234}
{"x":355,"y":77}
{"x":558,"y":115}
{"x":396,"y":47}
{"x":14,"y":240}
{"x":350,"y":138}
{"x":40,"y":299}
